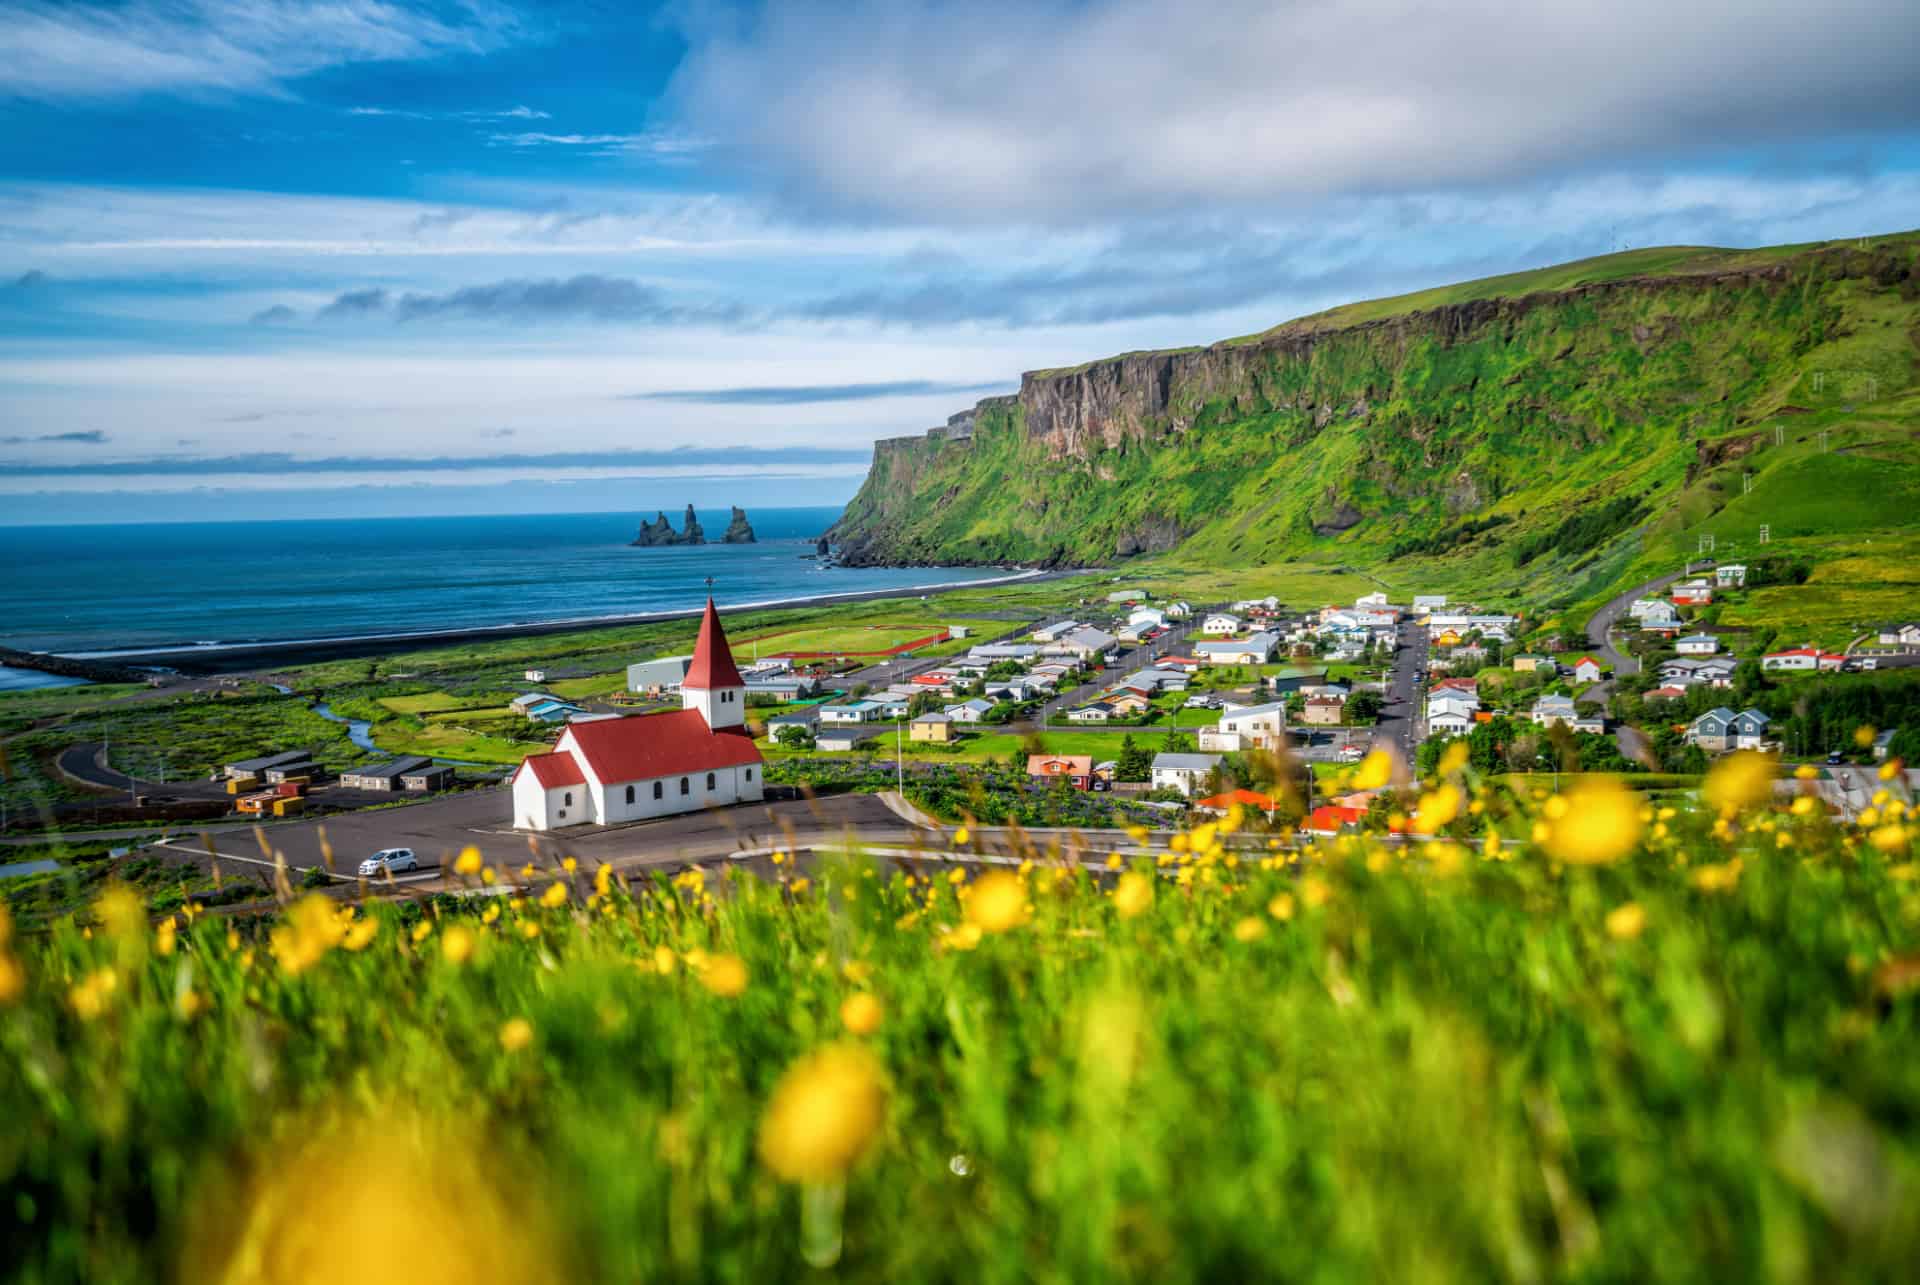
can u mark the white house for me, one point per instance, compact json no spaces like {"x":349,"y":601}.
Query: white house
{"x":1697,"y":645}
{"x":1262,"y":727}
{"x":1449,"y":722}
{"x":1373,"y":600}
{"x":629,"y":769}
{"x":1659,"y":616}
{"x":1586,"y":670}
{"x":972,"y":711}
{"x":1221,"y":624}
{"x":1451,"y":699}
{"x":1429,"y":602}
{"x":1792,"y":658}
{"x":1186,"y":773}
{"x":1056,"y":631}
{"x":1256,"y":649}
{"x":1733,"y":575}
{"x":1084,"y":643}
{"x":1141,"y":618}
{"x":861,"y":711}
{"x":1549,"y":710}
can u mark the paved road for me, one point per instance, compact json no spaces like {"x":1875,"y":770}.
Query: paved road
{"x":1600,"y":625}
{"x":1402,"y":723}
{"x":1051,"y":714}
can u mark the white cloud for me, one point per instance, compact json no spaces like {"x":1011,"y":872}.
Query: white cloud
{"x":87,"y":50}
{"x":1059,"y":108}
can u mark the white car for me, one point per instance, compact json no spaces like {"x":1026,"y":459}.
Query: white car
{"x":389,"y":860}
{"x":1352,"y":754}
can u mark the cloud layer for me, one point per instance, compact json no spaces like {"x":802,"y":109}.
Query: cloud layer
{"x":1058,"y":108}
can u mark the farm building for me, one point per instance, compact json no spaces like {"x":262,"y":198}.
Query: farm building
{"x":392,"y":775}
{"x":259,"y":767}
{"x":660,"y":674}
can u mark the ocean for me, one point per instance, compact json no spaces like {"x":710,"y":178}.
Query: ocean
{"x":92,"y":590}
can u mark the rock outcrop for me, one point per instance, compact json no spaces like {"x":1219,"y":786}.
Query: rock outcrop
{"x":660,"y":531}
{"x":739,"y":530}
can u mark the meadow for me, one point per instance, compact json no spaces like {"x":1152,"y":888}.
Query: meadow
{"x":1639,"y":1042}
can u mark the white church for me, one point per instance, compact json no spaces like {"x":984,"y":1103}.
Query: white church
{"x":654,"y":765}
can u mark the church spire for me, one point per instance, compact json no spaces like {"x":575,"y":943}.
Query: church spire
{"x":712,"y":666}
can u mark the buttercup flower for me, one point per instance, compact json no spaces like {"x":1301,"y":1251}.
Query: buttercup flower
{"x":824,"y":1115}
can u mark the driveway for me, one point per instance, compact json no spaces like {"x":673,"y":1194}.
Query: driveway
{"x":1600,"y":624}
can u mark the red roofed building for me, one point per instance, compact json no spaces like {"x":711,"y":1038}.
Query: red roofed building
{"x":1329,"y":819}
{"x":1252,"y":800}
{"x":629,"y":769}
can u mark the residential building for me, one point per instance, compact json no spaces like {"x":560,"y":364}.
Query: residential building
{"x":1255,"y":649}
{"x":627,"y":769}
{"x":1075,"y":769}
{"x":1426,"y":602}
{"x":1220,"y":624}
{"x":859,"y":711}
{"x":1697,"y":645}
{"x":1883,"y":745}
{"x":1732,"y":575}
{"x":1586,"y":670}
{"x":1055,"y":631}
{"x":843,"y":738}
{"x":1247,"y":800}
{"x":931,"y":727}
{"x":1214,"y":741}
{"x":405,"y":773}
{"x":1147,"y":618}
{"x":992,"y":653}
{"x":807,"y":720}
{"x":1324,"y":711}
{"x":1128,"y":595}
{"x":1903,"y":634}
{"x":1802,"y":658}
{"x":1692,"y":593}
{"x":1660,"y":618}
{"x":1124,"y":701}
{"x":1096,"y":712}
{"x":1261,"y":727}
{"x":972,"y":711}
{"x":1084,"y":643}
{"x":259,"y":767}
{"x":784,"y":687}
{"x":1449,"y":722}
{"x":1549,"y":710}
{"x":1720,"y":729}
{"x":1187,"y":773}
{"x":1330,"y":819}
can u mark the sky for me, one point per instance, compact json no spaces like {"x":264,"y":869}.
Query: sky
{"x":267,"y":259}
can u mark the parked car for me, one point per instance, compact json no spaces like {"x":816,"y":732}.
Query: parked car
{"x":1835,"y":756}
{"x":390,"y":861}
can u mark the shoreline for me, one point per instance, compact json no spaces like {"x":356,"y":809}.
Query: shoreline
{"x":202,"y":660}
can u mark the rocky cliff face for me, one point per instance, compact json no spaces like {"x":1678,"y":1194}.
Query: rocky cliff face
{"x":1370,"y":429}
{"x":739,"y":530}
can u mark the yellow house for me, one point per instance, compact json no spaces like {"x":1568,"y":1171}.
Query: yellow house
{"x":1447,"y":638}
{"x":935,"y":727}
{"x":1527,"y":664}
{"x":1127,"y":702}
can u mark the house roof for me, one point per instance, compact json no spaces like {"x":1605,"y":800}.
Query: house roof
{"x":1586,"y":660}
{"x":552,"y":770}
{"x":1059,"y":764}
{"x":1330,"y":817}
{"x":1245,"y":798}
{"x":933,"y":717}
{"x":1185,"y":762}
{"x":638,"y":749}
{"x":712,"y":665}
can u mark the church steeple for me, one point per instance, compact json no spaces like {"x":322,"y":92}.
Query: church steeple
{"x":713,"y":684}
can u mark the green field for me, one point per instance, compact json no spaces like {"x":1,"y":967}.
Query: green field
{"x":1695,"y":1057}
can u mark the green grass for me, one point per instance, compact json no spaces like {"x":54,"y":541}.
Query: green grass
{"x":1407,"y":1070}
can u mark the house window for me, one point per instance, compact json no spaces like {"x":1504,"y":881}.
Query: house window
{"x":709,"y":780}
{"x":629,"y":794}
{"x":568,"y":798}
{"x":749,"y":774}
{"x":683,"y":786}
{"x":658,"y":790}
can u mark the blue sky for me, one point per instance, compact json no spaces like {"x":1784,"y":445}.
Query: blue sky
{"x":268,"y":258}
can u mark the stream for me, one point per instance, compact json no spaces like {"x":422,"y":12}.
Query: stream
{"x":359,"y":730}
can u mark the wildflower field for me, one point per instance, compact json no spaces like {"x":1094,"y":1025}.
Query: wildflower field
{"x":1576,"y":1037}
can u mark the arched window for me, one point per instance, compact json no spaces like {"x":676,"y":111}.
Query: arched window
{"x":568,"y":799}
{"x":683,"y":786}
{"x":658,"y":790}
{"x":709,"y":780}
{"x":629,"y":794}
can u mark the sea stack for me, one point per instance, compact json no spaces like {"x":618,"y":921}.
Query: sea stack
{"x":660,"y":532}
{"x":739,"y":530}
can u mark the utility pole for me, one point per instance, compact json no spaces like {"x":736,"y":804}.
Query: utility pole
{"x":1766,"y":533}
{"x":1824,"y":435}
{"x":1746,"y":483}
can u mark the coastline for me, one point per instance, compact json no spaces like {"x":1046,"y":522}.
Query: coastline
{"x":200,"y":660}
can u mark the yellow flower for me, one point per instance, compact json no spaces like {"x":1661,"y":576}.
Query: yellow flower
{"x":1138,"y":833}
{"x":529,"y":929}
{"x":1132,"y":895}
{"x":725,"y":975}
{"x":555,"y":896}
{"x":515,"y":1034}
{"x":663,"y":960}
{"x":569,"y":864}
{"x":1599,"y":822}
{"x":603,"y":881}
{"x":13,"y":979}
{"x":1863,"y":735}
{"x":1315,"y":891}
{"x":861,"y":1012}
{"x":310,"y":929}
{"x":997,"y":902}
{"x":422,"y":931}
{"x":1717,"y":878}
{"x":965,"y":937}
{"x":1453,"y":760}
{"x":166,"y":936}
{"x":89,"y":997}
{"x":1804,"y":806}
{"x":1626,"y":922}
{"x":1203,"y":836}
{"x":1281,"y":907}
{"x":468,"y":862}
{"x":456,"y":944}
{"x":361,"y":934}
{"x":1114,"y":861}
{"x":1890,"y":838}
{"x":491,"y":914}
{"x":1250,"y":929}
{"x":1739,"y":781}
{"x":1806,"y":772}
{"x":1890,"y":769}
{"x":960,"y":836}
{"x":824,"y":1115}
{"x":1437,"y":809}
{"x":121,"y":912}
{"x":1376,"y":769}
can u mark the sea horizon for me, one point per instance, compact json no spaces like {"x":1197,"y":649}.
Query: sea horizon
{"x":98,"y":589}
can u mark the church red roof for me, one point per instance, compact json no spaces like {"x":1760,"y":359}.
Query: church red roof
{"x":653,"y":745}
{"x":712,"y":664}
{"x":552,"y":770}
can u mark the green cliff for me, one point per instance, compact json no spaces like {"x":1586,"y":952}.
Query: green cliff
{"x":1533,"y":424}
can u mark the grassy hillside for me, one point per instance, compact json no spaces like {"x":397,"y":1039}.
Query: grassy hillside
{"x":1544,"y":433}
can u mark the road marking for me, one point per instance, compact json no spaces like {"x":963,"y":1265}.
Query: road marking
{"x":201,"y":850}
